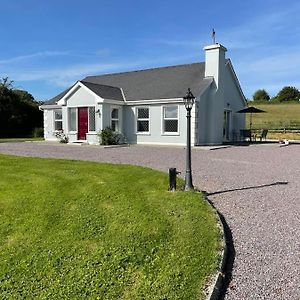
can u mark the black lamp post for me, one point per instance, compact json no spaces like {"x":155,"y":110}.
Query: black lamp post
{"x":188,"y":100}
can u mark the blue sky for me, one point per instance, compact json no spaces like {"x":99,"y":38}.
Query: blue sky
{"x":48,"y":45}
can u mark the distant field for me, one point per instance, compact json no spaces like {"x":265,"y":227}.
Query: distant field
{"x":282,"y":120}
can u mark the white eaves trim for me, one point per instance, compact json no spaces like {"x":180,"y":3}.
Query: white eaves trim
{"x":229,"y":64}
{"x":123,"y":94}
{"x":52,"y":106}
{"x":63,"y":100}
{"x":111,"y":101}
{"x":154,"y":101}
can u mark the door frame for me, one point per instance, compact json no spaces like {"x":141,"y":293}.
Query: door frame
{"x":80,"y":127}
{"x":227,"y":125}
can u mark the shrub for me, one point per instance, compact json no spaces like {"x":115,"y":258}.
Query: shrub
{"x":38,"y":132}
{"x":61,"y":136}
{"x":110,"y":137}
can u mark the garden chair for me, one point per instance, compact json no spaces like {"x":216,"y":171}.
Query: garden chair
{"x":245,"y":134}
{"x":262,"y":135}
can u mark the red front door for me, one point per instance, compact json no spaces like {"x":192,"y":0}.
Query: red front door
{"x":82,"y":123}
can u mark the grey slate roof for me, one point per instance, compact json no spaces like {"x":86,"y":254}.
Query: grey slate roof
{"x":57,"y":97}
{"x":104,"y":91}
{"x":157,"y":83}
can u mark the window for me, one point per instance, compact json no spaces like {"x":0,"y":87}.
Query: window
{"x":115,"y":119}
{"x":92,"y":119}
{"x":142,"y":119}
{"x":170,"y":119}
{"x":58,"y":119}
{"x":72,"y":119}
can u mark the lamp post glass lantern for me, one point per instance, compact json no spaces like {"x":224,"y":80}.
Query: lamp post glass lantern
{"x":188,"y":100}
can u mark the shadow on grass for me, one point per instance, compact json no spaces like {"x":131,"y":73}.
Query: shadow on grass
{"x":247,"y":188}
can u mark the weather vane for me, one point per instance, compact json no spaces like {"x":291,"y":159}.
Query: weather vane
{"x":213,"y":35}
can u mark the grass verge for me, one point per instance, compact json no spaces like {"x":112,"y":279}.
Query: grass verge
{"x":6,"y":140}
{"x":71,"y":229}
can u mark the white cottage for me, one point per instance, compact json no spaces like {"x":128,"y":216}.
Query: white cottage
{"x":147,"y":107}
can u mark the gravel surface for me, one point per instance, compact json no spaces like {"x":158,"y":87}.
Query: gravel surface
{"x":256,"y":188}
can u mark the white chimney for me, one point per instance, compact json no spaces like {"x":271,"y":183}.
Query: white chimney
{"x":215,"y":63}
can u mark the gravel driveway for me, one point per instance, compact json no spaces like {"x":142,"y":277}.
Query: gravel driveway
{"x":256,"y":188}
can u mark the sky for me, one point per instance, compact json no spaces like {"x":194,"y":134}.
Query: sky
{"x":47,"y":45}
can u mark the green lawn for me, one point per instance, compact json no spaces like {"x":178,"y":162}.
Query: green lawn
{"x":71,"y":229}
{"x":5,"y":140}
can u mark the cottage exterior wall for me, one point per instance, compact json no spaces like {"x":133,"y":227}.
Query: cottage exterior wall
{"x":236,"y":102}
{"x":155,"y":135}
{"x":49,"y":125}
{"x":81,"y":97}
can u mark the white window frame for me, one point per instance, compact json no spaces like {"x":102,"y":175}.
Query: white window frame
{"x":89,"y":118}
{"x":142,"y":119}
{"x":163,"y":120}
{"x":115,"y":119}
{"x":57,"y":120}
{"x":76,"y":120}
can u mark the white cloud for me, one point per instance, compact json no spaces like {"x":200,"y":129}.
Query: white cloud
{"x":33,"y":56}
{"x":65,"y":76}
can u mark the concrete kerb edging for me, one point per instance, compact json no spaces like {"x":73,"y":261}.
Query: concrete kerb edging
{"x":217,"y":284}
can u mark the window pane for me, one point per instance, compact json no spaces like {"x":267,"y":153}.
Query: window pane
{"x":143,"y":113}
{"x":72,"y":119}
{"x":115,"y":125}
{"x":58,"y":114}
{"x":143,"y":126}
{"x":58,"y":125}
{"x":92,"y":121}
{"x":171,"y":125}
{"x":115,"y":113}
{"x":171,"y":112}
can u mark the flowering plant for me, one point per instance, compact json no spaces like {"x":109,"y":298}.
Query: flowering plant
{"x":61,"y":136}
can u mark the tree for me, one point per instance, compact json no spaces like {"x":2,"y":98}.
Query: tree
{"x":6,"y":82}
{"x":19,"y":113}
{"x":287,"y":94}
{"x":24,"y":96}
{"x":261,"y":96}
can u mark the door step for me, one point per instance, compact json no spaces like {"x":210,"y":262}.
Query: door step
{"x":78,"y":143}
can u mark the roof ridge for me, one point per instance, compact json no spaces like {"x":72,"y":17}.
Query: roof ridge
{"x":83,"y":81}
{"x":143,"y":70}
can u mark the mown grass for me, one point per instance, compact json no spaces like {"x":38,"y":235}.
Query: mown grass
{"x":76,"y":230}
{"x":276,"y":116}
{"x":282,"y":120}
{"x":29,"y":139}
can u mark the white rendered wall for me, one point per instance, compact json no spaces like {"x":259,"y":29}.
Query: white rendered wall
{"x":81,"y":98}
{"x":235,"y":100}
{"x":49,"y":125}
{"x":155,"y":135}
{"x":211,"y":106}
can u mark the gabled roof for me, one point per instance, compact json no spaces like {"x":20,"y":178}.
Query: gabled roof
{"x":104,"y":91}
{"x":58,"y":97}
{"x":158,"y":83}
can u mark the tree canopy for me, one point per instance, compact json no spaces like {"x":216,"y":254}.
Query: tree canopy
{"x":261,"y":96}
{"x":19,"y":112}
{"x":288,"y":94}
